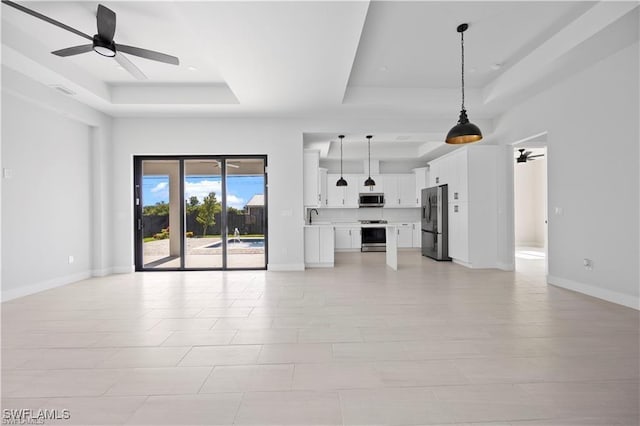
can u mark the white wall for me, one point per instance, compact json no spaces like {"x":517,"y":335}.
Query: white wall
{"x":592,"y":144}
{"x":530,"y":202}
{"x":280,"y":140}
{"x":52,"y":206}
{"x":47,"y":201}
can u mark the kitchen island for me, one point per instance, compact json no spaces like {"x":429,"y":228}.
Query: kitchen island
{"x":321,"y":241}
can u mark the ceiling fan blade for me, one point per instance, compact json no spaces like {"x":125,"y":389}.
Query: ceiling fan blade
{"x":75,"y":50}
{"x":46,"y":18}
{"x":527,"y":153}
{"x":538,"y":155}
{"x":129,"y":66}
{"x":106,"y":22}
{"x":148,"y":54}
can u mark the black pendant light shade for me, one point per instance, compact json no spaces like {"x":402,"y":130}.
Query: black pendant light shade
{"x":369,"y":182}
{"x":341,"y":181}
{"x":464,"y":131}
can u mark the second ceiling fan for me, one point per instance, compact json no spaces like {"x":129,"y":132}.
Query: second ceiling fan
{"x":102,"y":42}
{"x":526,"y":156}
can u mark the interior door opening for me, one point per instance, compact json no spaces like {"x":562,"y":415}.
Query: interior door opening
{"x":200,"y":212}
{"x":530,"y":207}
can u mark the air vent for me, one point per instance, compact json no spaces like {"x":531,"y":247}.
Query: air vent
{"x":63,"y":89}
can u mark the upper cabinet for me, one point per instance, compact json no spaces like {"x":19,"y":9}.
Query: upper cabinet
{"x":311,"y":182}
{"x":400,"y":190}
{"x":378,"y":187}
{"x":342,"y":196}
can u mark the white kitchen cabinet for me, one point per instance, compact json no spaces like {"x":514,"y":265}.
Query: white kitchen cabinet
{"x":378,"y":187}
{"x":318,"y":246}
{"x":459,"y":231}
{"x":471,"y":176}
{"x":407,"y":190}
{"x":391,"y":196}
{"x":405,"y":235}
{"x":421,"y":175}
{"x":311,"y":178}
{"x":342,"y":196}
{"x":399,"y":190}
{"x":417,"y":235}
{"x":322,"y":175}
{"x":347,"y":239}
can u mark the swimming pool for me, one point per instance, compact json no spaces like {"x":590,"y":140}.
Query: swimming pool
{"x":240,"y":243}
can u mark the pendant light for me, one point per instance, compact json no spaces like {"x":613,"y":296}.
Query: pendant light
{"x":369,"y":182}
{"x":341,"y":181}
{"x":464,"y":131}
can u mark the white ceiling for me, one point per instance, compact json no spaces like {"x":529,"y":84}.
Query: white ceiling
{"x":346,"y":59}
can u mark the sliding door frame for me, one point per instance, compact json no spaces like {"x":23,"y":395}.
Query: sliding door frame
{"x":138,"y":210}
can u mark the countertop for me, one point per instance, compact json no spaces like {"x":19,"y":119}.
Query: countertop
{"x":358,"y":224}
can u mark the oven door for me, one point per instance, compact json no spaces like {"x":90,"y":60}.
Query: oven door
{"x":374,"y":239}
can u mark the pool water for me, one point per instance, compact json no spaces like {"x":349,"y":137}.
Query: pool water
{"x":242,"y":243}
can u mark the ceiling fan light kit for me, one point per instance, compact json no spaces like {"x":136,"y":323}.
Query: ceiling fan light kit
{"x":102,"y":43}
{"x":464,"y":131}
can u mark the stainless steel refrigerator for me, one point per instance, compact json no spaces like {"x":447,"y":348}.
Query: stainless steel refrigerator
{"x":435,"y":223}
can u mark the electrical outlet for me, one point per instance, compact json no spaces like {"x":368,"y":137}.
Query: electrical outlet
{"x":559,"y":211}
{"x":71,"y":259}
{"x":588,"y":264}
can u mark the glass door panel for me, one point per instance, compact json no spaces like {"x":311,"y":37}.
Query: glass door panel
{"x":245,"y":213}
{"x":160,"y":222}
{"x":203,"y":243}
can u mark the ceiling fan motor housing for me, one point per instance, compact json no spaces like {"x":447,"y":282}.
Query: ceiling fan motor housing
{"x":104,"y":47}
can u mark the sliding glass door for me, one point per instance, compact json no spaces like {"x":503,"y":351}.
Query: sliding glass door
{"x":199,"y":213}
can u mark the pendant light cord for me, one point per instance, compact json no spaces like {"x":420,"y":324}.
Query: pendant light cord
{"x":340,"y":157}
{"x":462,"y":49}
{"x":369,"y":148}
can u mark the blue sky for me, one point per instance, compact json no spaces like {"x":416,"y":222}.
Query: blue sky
{"x":240,"y":189}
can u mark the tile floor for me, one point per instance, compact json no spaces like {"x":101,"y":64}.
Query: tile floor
{"x":433,"y":343}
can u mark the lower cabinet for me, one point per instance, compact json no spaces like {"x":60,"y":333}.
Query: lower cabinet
{"x":409,"y":235}
{"x":347,"y":238}
{"x":318,"y":246}
{"x":405,"y":235}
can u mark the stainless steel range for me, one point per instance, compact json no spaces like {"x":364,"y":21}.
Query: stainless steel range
{"x":374,"y":238}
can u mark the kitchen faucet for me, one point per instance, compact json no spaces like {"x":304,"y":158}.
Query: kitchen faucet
{"x":311,"y":211}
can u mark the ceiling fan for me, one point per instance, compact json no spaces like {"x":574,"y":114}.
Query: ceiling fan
{"x":526,"y":156}
{"x":102,"y":42}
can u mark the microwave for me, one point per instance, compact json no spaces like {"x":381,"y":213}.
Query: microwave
{"x":371,"y":199}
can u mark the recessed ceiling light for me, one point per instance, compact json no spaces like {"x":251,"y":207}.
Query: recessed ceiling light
{"x":403,"y":138}
{"x":119,"y":67}
{"x":384,"y":69}
{"x":496,"y":66}
{"x":63,"y":89}
{"x":192,"y":68}
{"x":471,"y":70}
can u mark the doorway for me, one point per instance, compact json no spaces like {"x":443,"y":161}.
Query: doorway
{"x":200,"y":212}
{"x":530,"y":206}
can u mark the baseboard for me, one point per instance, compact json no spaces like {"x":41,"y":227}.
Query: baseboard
{"x":276,"y":267}
{"x":43,"y":285}
{"x":505,"y":266}
{"x":123,"y":269}
{"x":597,"y":292}
{"x":319,"y":265}
{"x":477,"y":265}
{"x":101,"y":272}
